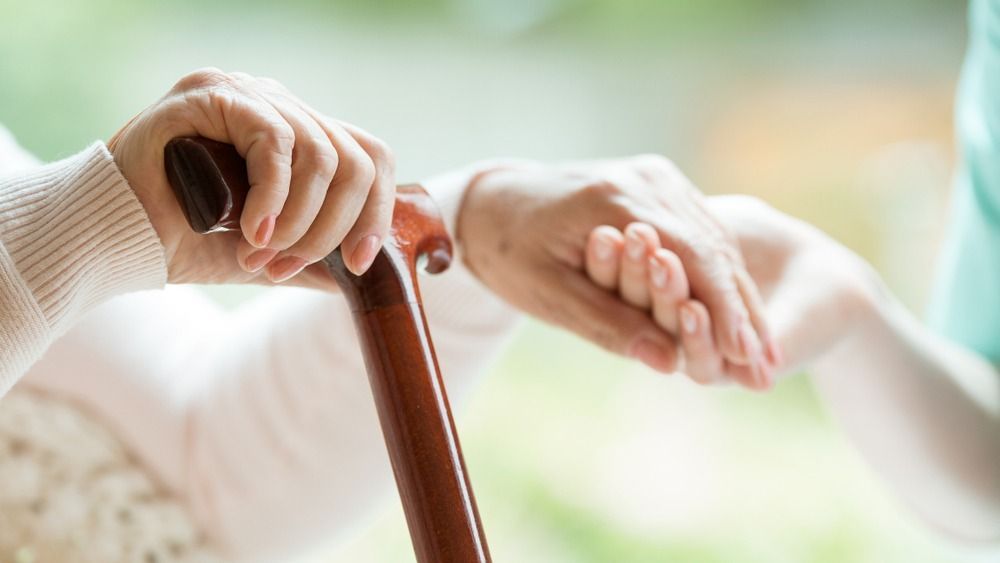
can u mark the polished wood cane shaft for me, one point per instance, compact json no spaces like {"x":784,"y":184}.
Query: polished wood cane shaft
{"x":210,"y":182}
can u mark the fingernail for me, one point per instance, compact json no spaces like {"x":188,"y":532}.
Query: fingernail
{"x":651,"y":353}
{"x":265,"y":230}
{"x":259,"y":259}
{"x":364,"y":254}
{"x":286,"y":267}
{"x":688,"y":320}
{"x":634,"y":247}
{"x":657,"y":273}
{"x":603,"y":249}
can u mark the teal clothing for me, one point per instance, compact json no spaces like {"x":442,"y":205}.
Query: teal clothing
{"x":966,"y":300}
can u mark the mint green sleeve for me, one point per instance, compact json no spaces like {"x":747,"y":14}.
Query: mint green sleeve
{"x":965,"y":305}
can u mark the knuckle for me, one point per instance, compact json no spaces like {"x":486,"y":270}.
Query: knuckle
{"x":356,"y":167}
{"x":365,"y":173}
{"x":607,"y":196}
{"x":382,"y":152}
{"x":201,"y":78}
{"x":218,"y":94}
{"x":599,"y":189}
{"x":320,"y":158}
{"x":278,"y":135}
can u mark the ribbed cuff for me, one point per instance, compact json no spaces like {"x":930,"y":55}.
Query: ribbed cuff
{"x":78,"y":235}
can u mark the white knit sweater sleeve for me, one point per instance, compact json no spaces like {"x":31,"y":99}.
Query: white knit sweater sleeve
{"x":72,"y":234}
{"x":262,"y":419}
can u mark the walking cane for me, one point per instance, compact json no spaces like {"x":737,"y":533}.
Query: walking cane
{"x":210,"y":181}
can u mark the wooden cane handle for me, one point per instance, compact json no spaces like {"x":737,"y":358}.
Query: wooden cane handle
{"x":210,"y":181}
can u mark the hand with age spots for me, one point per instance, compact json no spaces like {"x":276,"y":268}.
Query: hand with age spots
{"x":316,"y":183}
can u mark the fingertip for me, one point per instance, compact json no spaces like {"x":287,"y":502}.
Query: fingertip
{"x":364,"y":254}
{"x":674,"y":278}
{"x":257,"y":259}
{"x":285,"y":268}
{"x":640,"y":239}
{"x":605,"y":242}
{"x":644,"y":231}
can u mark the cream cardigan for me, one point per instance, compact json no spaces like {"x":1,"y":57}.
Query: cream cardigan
{"x":160,"y":427}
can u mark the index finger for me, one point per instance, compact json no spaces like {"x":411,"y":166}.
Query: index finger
{"x":230,"y":114}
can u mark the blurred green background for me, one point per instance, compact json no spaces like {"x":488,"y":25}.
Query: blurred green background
{"x":839,"y":112}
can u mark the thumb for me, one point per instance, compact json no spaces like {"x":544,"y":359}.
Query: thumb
{"x":603,"y":319}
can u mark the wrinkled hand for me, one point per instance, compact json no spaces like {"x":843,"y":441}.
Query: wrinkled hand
{"x":315,"y":183}
{"x":814,"y":288}
{"x":524,"y":229}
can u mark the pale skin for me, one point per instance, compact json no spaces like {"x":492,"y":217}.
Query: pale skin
{"x":540,"y":236}
{"x":925,"y":411}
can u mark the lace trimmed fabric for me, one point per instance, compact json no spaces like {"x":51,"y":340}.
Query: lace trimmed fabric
{"x":69,"y":491}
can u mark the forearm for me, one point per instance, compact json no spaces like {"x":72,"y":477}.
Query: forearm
{"x":924,"y":411}
{"x":72,"y":234}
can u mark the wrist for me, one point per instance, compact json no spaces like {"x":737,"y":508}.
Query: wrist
{"x":160,"y":212}
{"x":459,"y":198}
{"x":864,"y":303}
{"x":487,"y":209}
